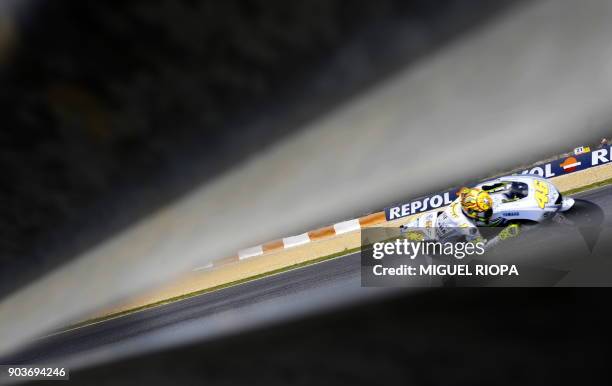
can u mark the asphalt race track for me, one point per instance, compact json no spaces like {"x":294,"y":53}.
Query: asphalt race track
{"x":225,"y":311}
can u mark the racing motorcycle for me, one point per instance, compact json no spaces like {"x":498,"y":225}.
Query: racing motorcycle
{"x":522,"y":199}
{"x":525,"y":198}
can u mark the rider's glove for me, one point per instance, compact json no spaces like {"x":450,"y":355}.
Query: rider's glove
{"x":510,"y":231}
{"x":415,"y":236}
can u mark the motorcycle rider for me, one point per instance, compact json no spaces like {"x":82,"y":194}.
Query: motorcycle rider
{"x":460,"y":221}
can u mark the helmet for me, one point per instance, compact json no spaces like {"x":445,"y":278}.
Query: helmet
{"x":476,"y":203}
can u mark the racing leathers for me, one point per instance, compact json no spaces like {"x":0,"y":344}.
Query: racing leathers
{"x":452,"y":225}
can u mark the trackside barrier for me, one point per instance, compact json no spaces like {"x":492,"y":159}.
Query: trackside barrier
{"x":551,"y":169}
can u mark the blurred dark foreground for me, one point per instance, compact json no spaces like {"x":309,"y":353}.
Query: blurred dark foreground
{"x":452,"y":336}
{"x":112,"y":109}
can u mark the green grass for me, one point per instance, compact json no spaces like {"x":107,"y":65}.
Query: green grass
{"x":589,"y":187}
